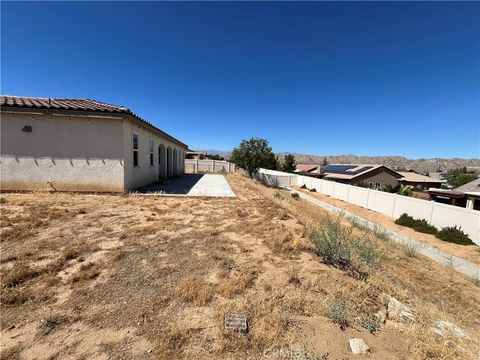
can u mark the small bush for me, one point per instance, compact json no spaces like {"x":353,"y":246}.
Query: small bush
{"x":296,"y":196}
{"x":410,"y":250}
{"x":313,"y":190}
{"x":336,"y":309}
{"x":454,"y":235}
{"x":339,"y":247}
{"x":303,"y":186}
{"x":371,"y":323}
{"x":331,"y":243}
{"x":420,"y":225}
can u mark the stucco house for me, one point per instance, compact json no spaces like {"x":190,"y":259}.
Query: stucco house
{"x":374,"y":176}
{"x":418,"y":181}
{"x":81,"y":145}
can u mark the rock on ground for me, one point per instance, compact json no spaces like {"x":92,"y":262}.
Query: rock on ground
{"x":397,"y":310}
{"x":358,"y":346}
{"x":446,"y":328}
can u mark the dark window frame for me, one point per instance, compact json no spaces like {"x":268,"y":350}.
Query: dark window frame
{"x":135,"y":142}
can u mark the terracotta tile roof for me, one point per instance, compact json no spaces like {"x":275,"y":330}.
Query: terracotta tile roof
{"x":75,"y":105}
{"x":61,"y":104}
{"x":412,"y":176}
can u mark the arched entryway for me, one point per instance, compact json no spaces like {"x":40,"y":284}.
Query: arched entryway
{"x":169,"y":162}
{"x":162,"y":162}
{"x":175,"y":162}
{"x":181,"y":162}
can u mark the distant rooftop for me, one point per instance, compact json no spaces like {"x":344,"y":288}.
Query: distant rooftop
{"x":472,"y":186}
{"x":347,"y":171}
{"x":412,"y":176}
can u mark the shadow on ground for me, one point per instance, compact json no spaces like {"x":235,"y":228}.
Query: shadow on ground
{"x":178,"y":185}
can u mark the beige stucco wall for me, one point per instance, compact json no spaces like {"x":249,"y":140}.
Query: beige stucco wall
{"x":383,"y":178}
{"x":66,"y":153}
{"x":144,"y":173}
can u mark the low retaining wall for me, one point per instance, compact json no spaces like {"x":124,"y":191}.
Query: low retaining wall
{"x":440,"y":215}
{"x":442,"y":257}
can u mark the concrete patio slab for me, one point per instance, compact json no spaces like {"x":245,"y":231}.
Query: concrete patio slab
{"x":210,"y":185}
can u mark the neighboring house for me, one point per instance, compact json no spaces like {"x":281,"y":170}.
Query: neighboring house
{"x":308,"y":168}
{"x":418,"y":181}
{"x":467,"y":195}
{"x":374,"y":176}
{"x":82,"y":145}
{"x":195,"y":155}
{"x":472,"y":193}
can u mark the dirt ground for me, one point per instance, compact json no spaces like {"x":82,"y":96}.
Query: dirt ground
{"x":467,"y":252}
{"x":130,"y":277}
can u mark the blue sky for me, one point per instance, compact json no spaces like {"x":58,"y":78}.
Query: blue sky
{"x":361,"y":78}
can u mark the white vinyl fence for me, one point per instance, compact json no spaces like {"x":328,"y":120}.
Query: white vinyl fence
{"x":394,"y":205}
{"x":194,"y":166}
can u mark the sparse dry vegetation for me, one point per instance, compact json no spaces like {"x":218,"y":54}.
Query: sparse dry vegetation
{"x":152,"y":278}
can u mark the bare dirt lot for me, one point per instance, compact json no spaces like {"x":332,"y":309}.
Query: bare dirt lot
{"x":130,"y":277}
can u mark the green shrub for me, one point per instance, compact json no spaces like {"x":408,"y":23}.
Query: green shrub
{"x":296,"y":196}
{"x":371,"y":323}
{"x":303,"y":186}
{"x":454,"y":235}
{"x":337,"y":310}
{"x":424,"y":227}
{"x":331,"y":243}
{"x":339,"y":247}
{"x":420,"y":225}
{"x":313,"y":190}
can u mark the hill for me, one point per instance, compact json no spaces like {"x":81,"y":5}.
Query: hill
{"x":394,"y":162}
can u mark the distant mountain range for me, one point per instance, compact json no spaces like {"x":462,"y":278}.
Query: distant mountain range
{"x":394,"y":162}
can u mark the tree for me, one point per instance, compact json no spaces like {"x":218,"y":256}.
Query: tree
{"x":289,"y":164}
{"x":254,"y":154}
{"x":325,"y":163}
{"x":460,"y":176}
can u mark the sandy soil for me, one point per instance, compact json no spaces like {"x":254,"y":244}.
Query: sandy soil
{"x":467,"y":252}
{"x":129,"y":277}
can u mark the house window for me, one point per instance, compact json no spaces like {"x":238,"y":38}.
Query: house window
{"x":135,"y":149}
{"x":159,"y":155}
{"x":151,"y":151}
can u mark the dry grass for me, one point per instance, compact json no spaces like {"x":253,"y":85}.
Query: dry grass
{"x":194,"y":290}
{"x":150,"y":278}
{"x":237,"y":284}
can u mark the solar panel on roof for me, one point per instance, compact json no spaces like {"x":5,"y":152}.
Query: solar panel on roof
{"x":345,"y":169}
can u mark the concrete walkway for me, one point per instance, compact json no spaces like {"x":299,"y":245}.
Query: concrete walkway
{"x":210,"y":185}
{"x":458,"y":264}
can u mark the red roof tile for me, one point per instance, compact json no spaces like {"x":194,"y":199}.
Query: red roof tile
{"x":62,"y":104}
{"x":74,"y":105}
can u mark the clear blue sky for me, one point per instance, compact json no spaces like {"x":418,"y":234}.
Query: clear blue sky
{"x":377,"y":78}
